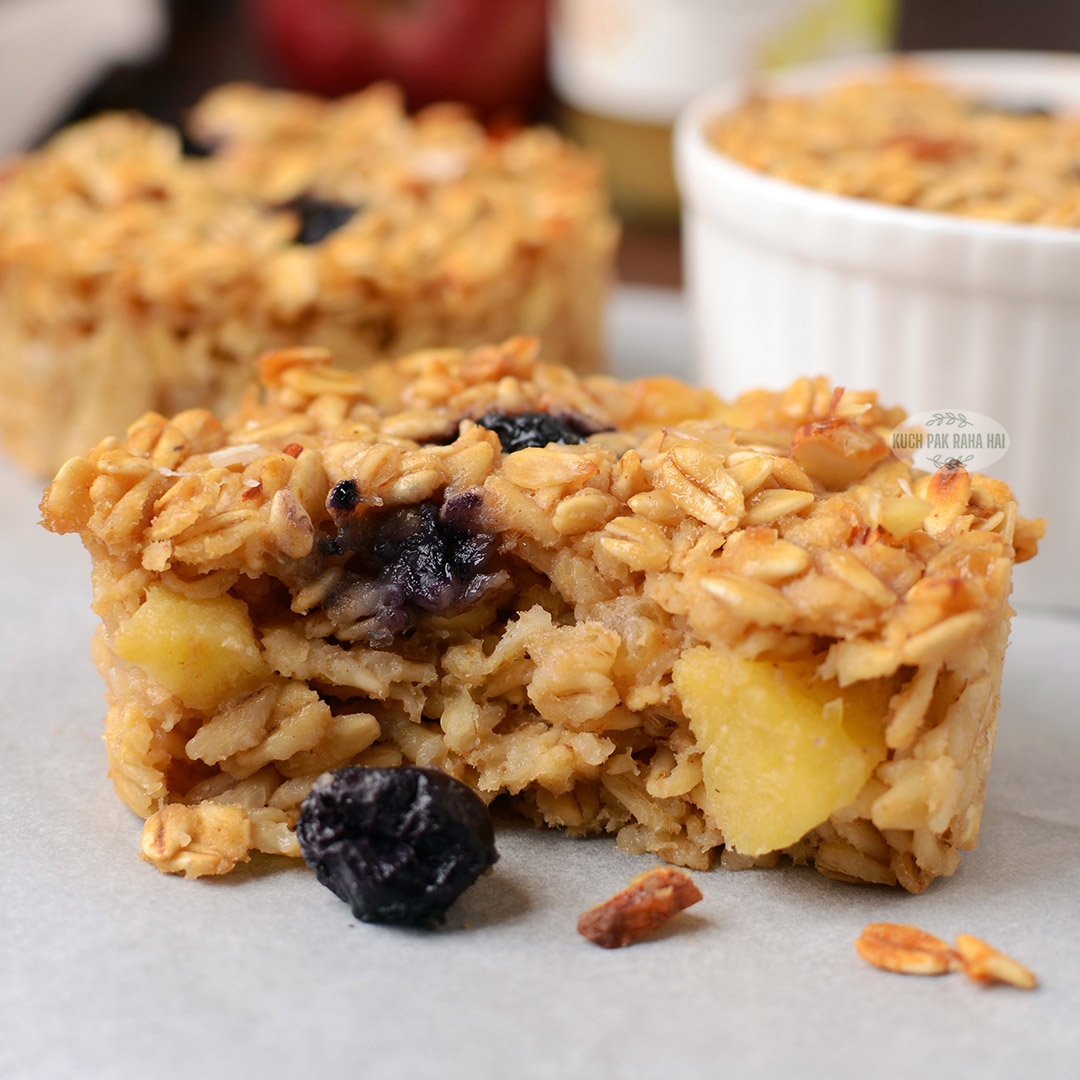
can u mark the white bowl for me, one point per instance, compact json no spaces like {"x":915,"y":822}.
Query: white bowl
{"x":934,"y":311}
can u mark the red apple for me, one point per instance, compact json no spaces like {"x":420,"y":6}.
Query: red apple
{"x":487,"y":53}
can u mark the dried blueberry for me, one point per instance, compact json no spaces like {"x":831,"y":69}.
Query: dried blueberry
{"x":328,"y":546}
{"x":530,"y":429}
{"x":343,"y":496}
{"x":192,"y":149}
{"x":397,"y":845}
{"x":318,"y":217}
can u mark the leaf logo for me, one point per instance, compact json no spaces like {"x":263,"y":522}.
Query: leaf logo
{"x":944,"y":438}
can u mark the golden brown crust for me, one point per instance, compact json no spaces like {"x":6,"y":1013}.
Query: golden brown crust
{"x":458,"y":238}
{"x":908,"y":140}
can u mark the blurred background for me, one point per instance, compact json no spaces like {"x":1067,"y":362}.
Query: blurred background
{"x":611,"y":73}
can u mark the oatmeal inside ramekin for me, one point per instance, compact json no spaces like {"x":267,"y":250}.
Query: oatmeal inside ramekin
{"x":911,"y":140}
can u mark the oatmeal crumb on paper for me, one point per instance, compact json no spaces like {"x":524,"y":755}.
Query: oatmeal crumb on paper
{"x":909,"y":950}
{"x":905,"y":949}
{"x":985,"y":964}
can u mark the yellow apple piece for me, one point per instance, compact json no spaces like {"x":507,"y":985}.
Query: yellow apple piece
{"x":204,"y":651}
{"x":782,"y":749}
{"x":901,"y":515}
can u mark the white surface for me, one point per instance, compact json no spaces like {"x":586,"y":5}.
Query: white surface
{"x":935,"y":312}
{"x":52,"y":50}
{"x":109,"y":969}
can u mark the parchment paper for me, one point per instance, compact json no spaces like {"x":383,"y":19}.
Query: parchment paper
{"x":109,"y":969}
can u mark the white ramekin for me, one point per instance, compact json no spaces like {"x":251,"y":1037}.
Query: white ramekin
{"x":933,"y":311}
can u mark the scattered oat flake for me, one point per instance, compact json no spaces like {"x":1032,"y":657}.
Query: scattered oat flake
{"x":643,"y":906}
{"x":905,"y":949}
{"x":439,"y":164}
{"x":853,"y":408}
{"x":985,"y":964}
{"x":234,"y":455}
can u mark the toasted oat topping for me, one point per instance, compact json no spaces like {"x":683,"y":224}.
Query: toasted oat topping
{"x":299,"y":198}
{"x":910,"y":141}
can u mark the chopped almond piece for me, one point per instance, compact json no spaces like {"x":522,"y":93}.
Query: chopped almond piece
{"x":643,"y":906}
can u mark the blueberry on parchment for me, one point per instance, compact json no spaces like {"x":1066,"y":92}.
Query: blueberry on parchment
{"x":397,"y":845}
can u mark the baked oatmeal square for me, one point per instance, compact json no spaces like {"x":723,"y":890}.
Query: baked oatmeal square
{"x":726,"y":632}
{"x":136,"y":276}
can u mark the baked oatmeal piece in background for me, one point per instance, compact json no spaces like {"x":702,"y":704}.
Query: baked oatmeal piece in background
{"x":910,"y":140}
{"x":689,"y":623}
{"x":133,"y":277}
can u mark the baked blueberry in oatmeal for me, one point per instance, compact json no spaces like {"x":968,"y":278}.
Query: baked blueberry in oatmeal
{"x":318,"y":217}
{"x":529,"y":429}
{"x":726,"y":632}
{"x":405,"y":561}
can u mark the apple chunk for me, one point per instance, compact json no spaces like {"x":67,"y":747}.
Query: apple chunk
{"x":782,"y":749}
{"x":201,"y":650}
